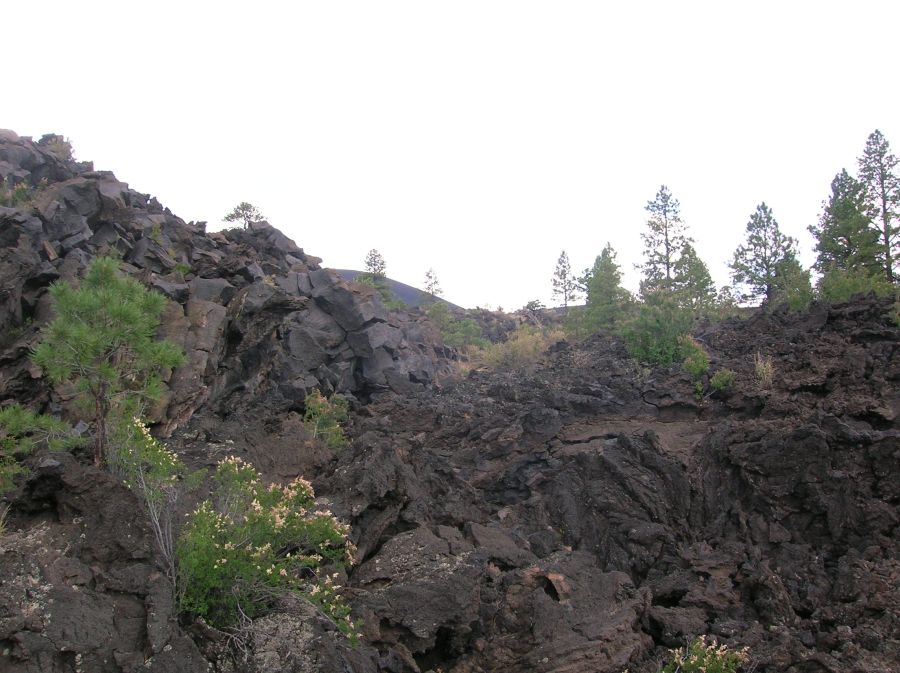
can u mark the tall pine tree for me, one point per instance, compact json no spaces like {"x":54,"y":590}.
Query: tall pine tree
{"x":756,"y":263}
{"x":849,"y":256}
{"x":565,"y":286}
{"x":878,"y":174}
{"x":844,"y":235}
{"x":663,"y":241}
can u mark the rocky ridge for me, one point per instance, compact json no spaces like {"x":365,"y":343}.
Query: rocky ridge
{"x":583,"y":514}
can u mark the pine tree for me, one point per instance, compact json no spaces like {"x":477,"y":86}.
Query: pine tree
{"x":692,"y":283}
{"x":663,"y":241}
{"x":878,"y":174}
{"x":245,"y":213}
{"x":564,"y":284}
{"x":375,"y":265}
{"x":844,"y":235}
{"x":103,"y":341}
{"x":606,"y":298}
{"x":850,"y":256}
{"x":432,"y":287}
{"x":756,"y":263}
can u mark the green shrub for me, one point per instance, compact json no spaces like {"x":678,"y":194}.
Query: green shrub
{"x":21,"y":432}
{"x":252,"y":542}
{"x":456,"y":333}
{"x":464,"y":333}
{"x":654,"y":334}
{"x":388,"y":298}
{"x":703,"y":657}
{"x":522,"y":347}
{"x":156,"y":234}
{"x":722,"y":380}
{"x":324,"y":417}
{"x":696,"y":360}
{"x":695,"y":363}
{"x":838,"y":285}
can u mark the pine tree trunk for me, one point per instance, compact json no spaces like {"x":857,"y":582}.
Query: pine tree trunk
{"x":886,"y":234}
{"x":101,"y":410}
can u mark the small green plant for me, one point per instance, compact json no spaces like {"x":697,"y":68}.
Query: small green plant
{"x":324,"y":417}
{"x":705,"y":657}
{"x":695,"y":363}
{"x":58,"y":146}
{"x":252,"y":542}
{"x":764,"y":368}
{"x":21,"y":432}
{"x":13,"y":195}
{"x":156,"y":233}
{"x":391,"y":302}
{"x":722,"y":380}
{"x":696,"y":360}
{"x":182,"y":268}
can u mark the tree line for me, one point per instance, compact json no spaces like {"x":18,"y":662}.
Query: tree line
{"x":856,"y":245}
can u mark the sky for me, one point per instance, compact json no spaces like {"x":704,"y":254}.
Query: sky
{"x":480,"y":139}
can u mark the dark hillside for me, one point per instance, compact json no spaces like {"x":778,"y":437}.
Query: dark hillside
{"x":411,"y":296}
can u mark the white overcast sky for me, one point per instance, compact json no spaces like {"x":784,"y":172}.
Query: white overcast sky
{"x":478,"y":138}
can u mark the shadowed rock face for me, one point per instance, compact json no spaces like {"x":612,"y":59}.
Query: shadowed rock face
{"x":256,"y":316}
{"x":581,"y":515}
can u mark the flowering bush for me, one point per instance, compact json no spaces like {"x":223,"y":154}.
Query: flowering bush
{"x":252,"y":542}
{"x":705,"y":657}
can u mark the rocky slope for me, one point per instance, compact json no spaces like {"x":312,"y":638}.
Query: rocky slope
{"x":583,"y":514}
